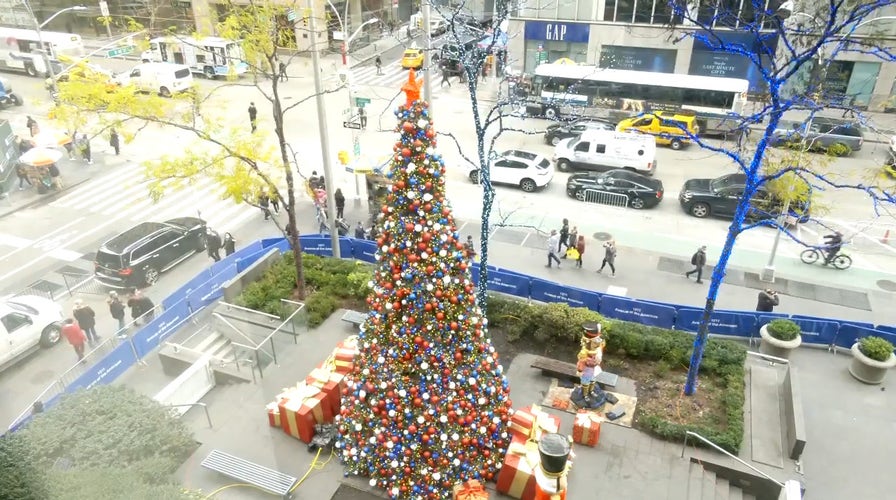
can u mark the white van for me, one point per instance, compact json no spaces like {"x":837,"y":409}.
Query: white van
{"x":607,"y":150}
{"x":26,"y":323}
{"x":163,"y":78}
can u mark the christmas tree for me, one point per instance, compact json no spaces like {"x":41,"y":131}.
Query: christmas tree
{"x":428,"y":404}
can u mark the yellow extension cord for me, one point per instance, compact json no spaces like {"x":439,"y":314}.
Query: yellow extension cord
{"x":314,"y":466}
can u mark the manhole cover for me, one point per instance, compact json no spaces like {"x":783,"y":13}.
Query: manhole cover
{"x":603,"y":236}
{"x":887,"y":285}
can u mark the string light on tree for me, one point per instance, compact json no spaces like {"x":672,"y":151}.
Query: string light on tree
{"x":428,"y":403}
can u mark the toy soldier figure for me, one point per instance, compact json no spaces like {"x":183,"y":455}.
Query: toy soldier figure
{"x":589,"y":394}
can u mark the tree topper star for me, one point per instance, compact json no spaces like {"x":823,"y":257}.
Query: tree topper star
{"x":411,"y":88}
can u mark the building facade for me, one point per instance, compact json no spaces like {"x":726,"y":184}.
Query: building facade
{"x":637,"y":35}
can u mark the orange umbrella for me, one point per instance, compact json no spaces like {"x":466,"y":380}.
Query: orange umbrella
{"x":40,"y":157}
{"x":51,"y":139}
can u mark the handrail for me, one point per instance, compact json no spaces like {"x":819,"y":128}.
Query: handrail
{"x":204,"y":407}
{"x":718,"y":448}
{"x":229,"y":306}
{"x":769,"y":357}
{"x":237,"y":330}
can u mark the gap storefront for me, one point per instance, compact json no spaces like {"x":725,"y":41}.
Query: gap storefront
{"x":548,"y":41}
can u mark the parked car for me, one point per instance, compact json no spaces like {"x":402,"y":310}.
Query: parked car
{"x":607,"y":150}
{"x":829,"y":135}
{"x":640,"y":191}
{"x":721,"y":196}
{"x":437,"y":26}
{"x":670,"y":129}
{"x":162,"y":78}
{"x":412,"y":58}
{"x":27,"y":322}
{"x":139,"y":255}
{"x":559,"y":131}
{"x":529,"y":171}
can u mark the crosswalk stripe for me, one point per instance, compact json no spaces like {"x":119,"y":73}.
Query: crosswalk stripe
{"x":84,"y":192}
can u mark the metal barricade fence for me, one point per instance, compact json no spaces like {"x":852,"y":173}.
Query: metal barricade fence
{"x":605,"y":198}
{"x":83,"y":283}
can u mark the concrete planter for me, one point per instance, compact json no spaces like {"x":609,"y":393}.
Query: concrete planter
{"x":774,"y":347}
{"x":865,"y":369}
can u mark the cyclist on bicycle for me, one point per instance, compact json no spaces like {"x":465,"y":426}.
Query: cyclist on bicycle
{"x":833,"y":242}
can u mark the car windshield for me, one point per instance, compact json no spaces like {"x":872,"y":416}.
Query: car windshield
{"x":725,"y":181}
{"x":18,"y":306}
{"x":526,"y":155}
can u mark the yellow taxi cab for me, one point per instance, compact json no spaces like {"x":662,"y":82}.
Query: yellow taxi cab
{"x":412,"y":58}
{"x":670,"y":129}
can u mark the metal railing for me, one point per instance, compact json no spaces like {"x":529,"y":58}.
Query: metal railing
{"x":769,"y":358}
{"x":83,"y":283}
{"x":204,"y":406}
{"x":719,"y":448}
{"x":605,"y":198}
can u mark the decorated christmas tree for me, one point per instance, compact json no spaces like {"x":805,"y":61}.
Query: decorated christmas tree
{"x":428,"y":404}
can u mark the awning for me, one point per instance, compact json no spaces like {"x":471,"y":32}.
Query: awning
{"x":500,"y":42}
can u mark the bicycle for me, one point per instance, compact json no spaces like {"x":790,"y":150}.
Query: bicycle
{"x":840,"y":261}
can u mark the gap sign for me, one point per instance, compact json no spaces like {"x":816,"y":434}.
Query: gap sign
{"x":557,"y":32}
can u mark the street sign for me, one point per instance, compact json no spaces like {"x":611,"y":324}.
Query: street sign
{"x":357,"y":145}
{"x":104,"y":8}
{"x":291,"y":15}
{"x":120,"y":51}
{"x":353,"y":125}
{"x":362,"y":101}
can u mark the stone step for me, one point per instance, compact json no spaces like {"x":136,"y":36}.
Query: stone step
{"x":708,"y":487}
{"x":722,"y":489}
{"x":695,"y":482}
{"x":678,"y":482}
{"x":765,"y":416}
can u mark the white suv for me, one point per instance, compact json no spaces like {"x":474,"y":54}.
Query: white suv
{"x":529,"y":171}
{"x":27,"y":322}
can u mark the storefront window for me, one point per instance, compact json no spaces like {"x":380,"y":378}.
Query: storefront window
{"x":545,"y":51}
{"x":637,"y":59}
{"x":643,"y":11}
{"x":861,"y":84}
{"x":566,"y":9}
{"x":621,"y":11}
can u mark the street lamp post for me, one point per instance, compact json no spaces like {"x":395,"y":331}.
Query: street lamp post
{"x":40,"y":39}
{"x":346,"y":42}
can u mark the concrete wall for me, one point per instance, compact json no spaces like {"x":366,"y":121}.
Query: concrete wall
{"x":233,"y":287}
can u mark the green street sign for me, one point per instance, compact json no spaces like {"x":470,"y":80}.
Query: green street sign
{"x":120,"y":51}
{"x":362,"y":101}
{"x":291,"y":15}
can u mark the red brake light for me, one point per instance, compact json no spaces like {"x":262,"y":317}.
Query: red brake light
{"x":126,"y":271}
{"x":659,"y":195}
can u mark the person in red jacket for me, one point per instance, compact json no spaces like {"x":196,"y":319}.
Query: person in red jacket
{"x":75,"y":336}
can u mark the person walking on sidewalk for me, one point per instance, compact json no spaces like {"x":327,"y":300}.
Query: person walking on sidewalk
{"x":116,"y":309}
{"x":253,"y":115}
{"x":275,"y":203}
{"x":114,"y":142}
{"x":573,"y":237}
{"x":564,"y":237}
{"x":698,"y":260}
{"x":580,"y":247}
{"x":340,"y":203}
{"x":86,"y":318}
{"x":213,"y":244}
{"x":84,"y":146}
{"x":768,"y":299}
{"x":609,"y":258}
{"x":22,"y":174}
{"x":75,"y":336}
{"x":282,"y":72}
{"x":553,"y":245}
{"x":470,"y":248}
{"x":362,"y":115}
{"x":379,"y":65}
{"x":32,"y":126}
{"x":229,"y":244}
{"x":264,"y":202}
{"x":446,"y":78}
{"x":359,"y":231}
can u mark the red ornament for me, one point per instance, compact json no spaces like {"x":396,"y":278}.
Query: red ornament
{"x":406,"y":152}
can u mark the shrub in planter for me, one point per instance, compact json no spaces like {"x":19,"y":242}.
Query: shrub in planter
{"x":779,"y":337}
{"x":872,"y":358}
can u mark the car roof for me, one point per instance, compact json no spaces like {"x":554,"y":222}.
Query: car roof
{"x":132,"y":236}
{"x":519,"y":154}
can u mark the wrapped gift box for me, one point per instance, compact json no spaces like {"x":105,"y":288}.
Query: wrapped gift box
{"x":273,"y":414}
{"x":586,"y":428}
{"x":330,"y":383}
{"x":523,"y":421}
{"x":301,"y":409}
{"x":517,"y":475}
{"x":471,"y":490}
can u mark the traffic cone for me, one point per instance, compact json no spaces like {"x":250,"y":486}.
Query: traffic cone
{"x":886,"y":239}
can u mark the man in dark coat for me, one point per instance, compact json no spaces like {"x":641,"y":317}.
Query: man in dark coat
{"x":253,"y":114}
{"x":86,"y":318}
{"x":698,"y":260}
{"x":213,"y":245}
{"x":768,"y":299}
{"x":340,"y":203}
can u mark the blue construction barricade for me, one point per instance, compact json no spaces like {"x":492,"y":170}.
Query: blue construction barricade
{"x":364,"y":250}
{"x":548,"y":291}
{"x":106,"y":370}
{"x":509,"y":283}
{"x":816,"y":330}
{"x":734,"y":324}
{"x":647,"y":313}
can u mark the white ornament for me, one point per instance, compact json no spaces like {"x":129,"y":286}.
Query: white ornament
{"x":424,"y":365}
{"x":427,"y":197}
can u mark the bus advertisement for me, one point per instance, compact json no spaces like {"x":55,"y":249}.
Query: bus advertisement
{"x":209,"y":56}
{"x":20,"y":50}
{"x":573,"y":91}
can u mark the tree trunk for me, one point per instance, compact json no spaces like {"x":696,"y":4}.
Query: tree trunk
{"x":488,"y":196}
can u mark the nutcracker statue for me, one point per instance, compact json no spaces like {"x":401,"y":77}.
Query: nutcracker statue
{"x":588,"y":393}
{"x":550,"y":477}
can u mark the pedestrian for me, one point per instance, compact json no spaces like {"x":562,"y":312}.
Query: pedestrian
{"x":22,"y":174}
{"x":698,"y":260}
{"x":573,"y":238}
{"x":409,"y":31}
{"x":275,"y":203}
{"x":446,"y":78}
{"x":32,"y":126}
{"x":113,"y":141}
{"x":282,"y":69}
{"x":564,"y":236}
{"x":146,"y":306}
{"x":363,"y":116}
{"x":213,"y":244}
{"x":609,"y":257}
{"x":136,"y":306}
{"x":379,"y":65}
{"x":264,"y":202}
{"x":75,"y":336}
{"x":768,"y":299}
{"x":85,"y":149}
{"x":86,"y":318}
{"x":553,"y":245}
{"x":229,"y":244}
{"x":580,"y":247}
{"x":359,"y":231}
{"x":55,"y":176}
{"x":470,"y":248}
{"x":116,"y":309}
{"x":340,"y":203}
{"x":70,"y":146}
{"x":253,"y":114}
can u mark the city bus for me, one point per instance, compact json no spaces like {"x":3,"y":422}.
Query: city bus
{"x":20,"y":50}
{"x":565,"y":90}
{"x":210,"y":56}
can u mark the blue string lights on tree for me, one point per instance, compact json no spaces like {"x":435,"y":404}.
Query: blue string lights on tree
{"x":780,"y":54}
{"x":427,"y":403}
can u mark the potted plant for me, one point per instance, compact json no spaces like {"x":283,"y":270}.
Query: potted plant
{"x":779,"y":337}
{"x":871,"y":358}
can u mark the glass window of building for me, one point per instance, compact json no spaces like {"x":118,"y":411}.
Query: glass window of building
{"x":620,"y":11}
{"x":643,"y":11}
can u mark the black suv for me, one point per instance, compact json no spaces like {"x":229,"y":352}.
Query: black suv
{"x":720,"y":197}
{"x":640,"y":191}
{"x":137,"y":256}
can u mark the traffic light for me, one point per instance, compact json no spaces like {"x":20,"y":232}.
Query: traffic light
{"x":343,"y":157}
